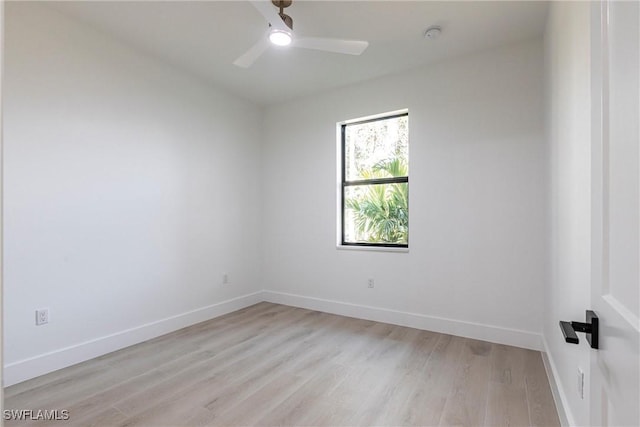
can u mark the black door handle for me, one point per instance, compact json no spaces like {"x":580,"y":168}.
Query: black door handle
{"x":590,"y":328}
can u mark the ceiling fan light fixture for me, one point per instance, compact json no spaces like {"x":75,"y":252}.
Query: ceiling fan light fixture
{"x":280,"y":37}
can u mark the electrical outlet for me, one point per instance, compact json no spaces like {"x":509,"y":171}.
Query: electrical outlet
{"x":225,"y":279}
{"x":371,"y":284}
{"x":580,"y":383}
{"x":42,"y":316}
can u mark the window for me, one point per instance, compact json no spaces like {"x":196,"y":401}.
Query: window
{"x":375,"y":182}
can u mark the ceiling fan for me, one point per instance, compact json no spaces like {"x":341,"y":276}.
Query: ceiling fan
{"x":280,"y":33}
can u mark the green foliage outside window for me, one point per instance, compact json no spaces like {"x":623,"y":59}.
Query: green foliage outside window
{"x":381,"y":212}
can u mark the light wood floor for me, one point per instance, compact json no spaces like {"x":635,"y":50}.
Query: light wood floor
{"x":276,"y":365}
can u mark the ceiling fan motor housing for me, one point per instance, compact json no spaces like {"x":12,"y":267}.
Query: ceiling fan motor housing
{"x":282,"y":3}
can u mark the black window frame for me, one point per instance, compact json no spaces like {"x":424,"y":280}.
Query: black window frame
{"x":346,"y":183}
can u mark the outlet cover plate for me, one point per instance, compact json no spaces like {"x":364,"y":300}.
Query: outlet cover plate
{"x":42,"y":316}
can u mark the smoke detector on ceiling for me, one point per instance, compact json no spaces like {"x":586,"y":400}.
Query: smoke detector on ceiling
{"x":433,"y":32}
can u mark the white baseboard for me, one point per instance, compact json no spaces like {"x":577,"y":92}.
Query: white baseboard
{"x":23,"y":370}
{"x":495,"y":334}
{"x":559,"y":396}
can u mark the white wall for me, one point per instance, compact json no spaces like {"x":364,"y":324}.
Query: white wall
{"x":568,"y":127}
{"x":129,"y":189}
{"x":1,"y":174}
{"x":478,"y":200}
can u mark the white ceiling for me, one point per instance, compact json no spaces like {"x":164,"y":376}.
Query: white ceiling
{"x":205,"y":37}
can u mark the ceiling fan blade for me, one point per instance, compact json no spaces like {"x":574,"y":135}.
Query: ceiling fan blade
{"x":249,"y":57}
{"x":349,"y":47}
{"x":270,"y":13}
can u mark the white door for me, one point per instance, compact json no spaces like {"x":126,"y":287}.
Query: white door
{"x":615,"y":367}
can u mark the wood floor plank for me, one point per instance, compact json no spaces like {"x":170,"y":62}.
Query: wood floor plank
{"x":271,"y":364}
{"x":263,"y":400}
{"x":88,"y":409}
{"x":421,"y":348}
{"x":345,"y":402}
{"x":466,"y":404}
{"x":394,"y":386}
{"x":542,"y":409}
{"x":106,"y":417}
{"x":299,"y":406}
{"x":507,"y":364}
{"x":506,"y":405}
{"x":436,"y":381}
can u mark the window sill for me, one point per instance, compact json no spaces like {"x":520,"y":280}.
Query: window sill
{"x":371,"y":248}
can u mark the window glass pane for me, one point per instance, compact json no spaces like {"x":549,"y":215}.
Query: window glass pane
{"x":372,"y":147}
{"x":377,"y":213}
